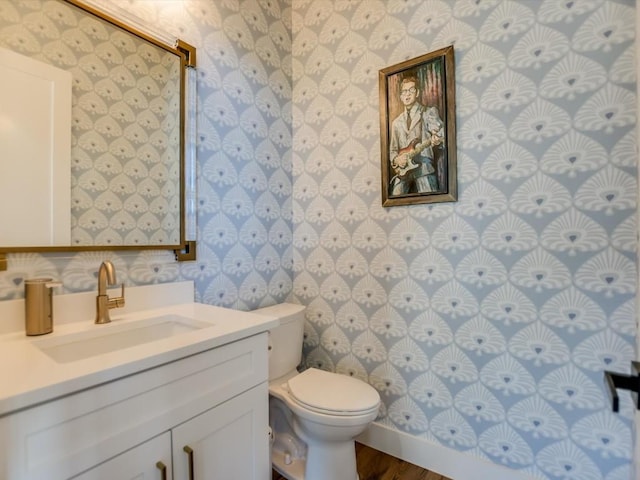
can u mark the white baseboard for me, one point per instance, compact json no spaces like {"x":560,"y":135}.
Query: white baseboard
{"x":436,"y":458}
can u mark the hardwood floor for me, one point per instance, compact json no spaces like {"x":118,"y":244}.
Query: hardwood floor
{"x":375,"y":465}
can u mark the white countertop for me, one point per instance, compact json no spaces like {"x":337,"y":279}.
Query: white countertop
{"x":28,"y":376}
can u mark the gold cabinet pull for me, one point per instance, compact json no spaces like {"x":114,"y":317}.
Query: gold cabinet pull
{"x":163,"y":470}
{"x":189,"y":452}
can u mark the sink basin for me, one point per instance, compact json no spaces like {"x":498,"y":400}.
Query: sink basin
{"x":113,"y":337}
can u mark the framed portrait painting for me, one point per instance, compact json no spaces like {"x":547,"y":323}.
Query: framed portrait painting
{"x":418,"y":130}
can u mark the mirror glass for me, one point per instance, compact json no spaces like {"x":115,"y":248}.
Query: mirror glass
{"x":126,"y":135}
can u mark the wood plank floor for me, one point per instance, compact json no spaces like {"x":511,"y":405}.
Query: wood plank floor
{"x":375,"y":465}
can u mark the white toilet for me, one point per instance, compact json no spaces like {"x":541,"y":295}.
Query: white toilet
{"x":314,"y":415}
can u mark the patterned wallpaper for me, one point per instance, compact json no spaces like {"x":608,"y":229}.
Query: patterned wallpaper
{"x":485,"y":323}
{"x":125,"y":130}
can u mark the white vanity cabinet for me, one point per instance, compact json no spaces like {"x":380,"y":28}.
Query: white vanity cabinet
{"x":214,"y":402}
{"x":223,"y":443}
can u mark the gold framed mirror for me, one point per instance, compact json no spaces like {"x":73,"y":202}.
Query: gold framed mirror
{"x":131,"y":163}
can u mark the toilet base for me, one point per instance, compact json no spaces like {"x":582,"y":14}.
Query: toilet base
{"x":322,"y":461}
{"x":331,"y":460}
{"x":294,"y":459}
{"x":293,"y":471}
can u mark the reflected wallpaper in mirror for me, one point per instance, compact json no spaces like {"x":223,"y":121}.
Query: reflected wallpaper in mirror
{"x":125,"y":158}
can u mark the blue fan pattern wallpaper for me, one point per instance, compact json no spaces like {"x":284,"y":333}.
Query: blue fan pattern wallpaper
{"x":485,"y":324}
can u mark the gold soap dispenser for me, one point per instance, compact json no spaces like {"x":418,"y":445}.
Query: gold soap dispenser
{"x":38,"y":305}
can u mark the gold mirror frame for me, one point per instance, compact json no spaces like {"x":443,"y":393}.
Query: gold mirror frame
{"x":186,"y":250}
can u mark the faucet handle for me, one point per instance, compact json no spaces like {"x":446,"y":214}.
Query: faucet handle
{"x":117,"y":302}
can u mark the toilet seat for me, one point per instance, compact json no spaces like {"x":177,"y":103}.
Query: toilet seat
{"x":332,"y":394}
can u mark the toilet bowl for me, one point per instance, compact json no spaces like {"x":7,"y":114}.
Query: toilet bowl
{"x":315,"y":415}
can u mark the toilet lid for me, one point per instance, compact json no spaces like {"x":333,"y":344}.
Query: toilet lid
{"x":333,"y":392}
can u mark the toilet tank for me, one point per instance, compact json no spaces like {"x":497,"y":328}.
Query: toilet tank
{"x":285,"y":340}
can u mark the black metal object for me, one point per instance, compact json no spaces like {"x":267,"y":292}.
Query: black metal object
{"x":614,"y":381}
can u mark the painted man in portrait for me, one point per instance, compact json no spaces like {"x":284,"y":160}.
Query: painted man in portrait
{"x":415,"y":136}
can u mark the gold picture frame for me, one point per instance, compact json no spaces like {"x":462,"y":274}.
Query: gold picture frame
{"x":418,"y":130}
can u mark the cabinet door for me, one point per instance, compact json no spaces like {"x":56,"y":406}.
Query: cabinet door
{"x":148,"y":461}
{"x":228,"y":442}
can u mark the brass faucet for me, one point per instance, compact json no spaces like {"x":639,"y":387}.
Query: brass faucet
{"x":107,"y":276}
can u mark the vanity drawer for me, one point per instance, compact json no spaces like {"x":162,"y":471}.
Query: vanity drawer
{"x":64,"y":437}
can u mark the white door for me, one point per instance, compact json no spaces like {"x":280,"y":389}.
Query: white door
{"x":35,"y":147}
{"x":228,"y":442}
